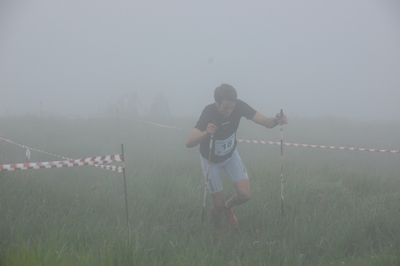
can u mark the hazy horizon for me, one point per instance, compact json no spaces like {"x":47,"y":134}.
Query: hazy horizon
{"x":310,"y":58}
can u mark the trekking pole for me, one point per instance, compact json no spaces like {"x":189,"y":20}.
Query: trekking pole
{"x":207,"y":178}
{"x":282,"y":201}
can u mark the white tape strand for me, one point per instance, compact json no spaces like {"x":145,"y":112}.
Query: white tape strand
{"x":26,"y":147}
{"x":155,"y":124}
{"x":76,"y":115}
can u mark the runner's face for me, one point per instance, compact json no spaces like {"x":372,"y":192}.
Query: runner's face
{"x":225,"y":108}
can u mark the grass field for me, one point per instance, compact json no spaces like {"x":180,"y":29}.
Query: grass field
{"x":341,"y":207}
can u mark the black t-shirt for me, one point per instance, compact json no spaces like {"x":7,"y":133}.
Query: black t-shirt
{"x":224,"y":142}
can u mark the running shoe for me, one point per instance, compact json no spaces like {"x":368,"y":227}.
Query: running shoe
{"x":231,"y":219}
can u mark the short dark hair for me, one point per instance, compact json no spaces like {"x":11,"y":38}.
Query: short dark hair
{"x":225,"y":92}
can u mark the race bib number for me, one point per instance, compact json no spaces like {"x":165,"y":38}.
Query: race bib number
{"x":223,"y":147}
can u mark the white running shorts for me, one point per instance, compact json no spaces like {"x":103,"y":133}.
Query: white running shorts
{"x":233,"y":167}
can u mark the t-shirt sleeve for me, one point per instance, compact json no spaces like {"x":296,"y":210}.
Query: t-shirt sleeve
{"x":247,"y":111}
{"x":203,"y":120}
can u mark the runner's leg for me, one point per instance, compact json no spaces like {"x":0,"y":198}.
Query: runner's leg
{"x":237,"y":172}
{"x":241,"y":195}
{"x":218,"y":208}
{"x":214,"y":186}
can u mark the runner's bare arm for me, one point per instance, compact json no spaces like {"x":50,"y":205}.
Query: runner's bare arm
{"x":198,"y":136}
{"x":268,"y":122}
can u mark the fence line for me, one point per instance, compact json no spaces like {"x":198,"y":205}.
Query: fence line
{"x":266,"y":142}
{"x":239,"y":140}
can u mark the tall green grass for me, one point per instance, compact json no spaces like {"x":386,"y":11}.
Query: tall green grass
{"x":341,"y":207}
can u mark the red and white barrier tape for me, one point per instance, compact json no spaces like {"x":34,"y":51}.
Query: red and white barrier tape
{"x":68,"y":163}
{"x":286,"y":143}
{"x":28,"y":155}
{"x":317,"y":146}
{"x":118,"y":169}
{"x":278,"y":143}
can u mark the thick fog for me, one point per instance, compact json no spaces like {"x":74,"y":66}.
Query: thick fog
{"x":311,"y":58}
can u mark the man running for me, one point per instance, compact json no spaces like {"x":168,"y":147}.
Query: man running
{"x":221,"y":119}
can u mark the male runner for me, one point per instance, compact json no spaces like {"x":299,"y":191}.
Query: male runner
{"x":221,"y":119}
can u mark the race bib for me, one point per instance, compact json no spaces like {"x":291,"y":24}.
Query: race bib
{"x":223,"y":147}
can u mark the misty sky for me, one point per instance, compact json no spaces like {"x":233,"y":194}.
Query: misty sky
{"x":310,"y":58}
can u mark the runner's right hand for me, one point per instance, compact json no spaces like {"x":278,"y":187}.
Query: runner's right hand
{"x":211,"y":128}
